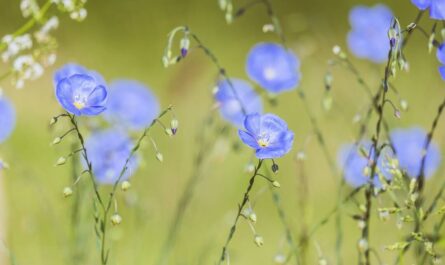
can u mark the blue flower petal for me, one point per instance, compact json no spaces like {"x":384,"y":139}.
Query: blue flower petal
{"x":437,"y":10}
{"x":442,"y":72}
{"x":368,"y":38}
{"x":409,"y":144}
{"x":108,"y":151}
{"x":252,"y":123}
{"x":440,"y":53}
{"x":7,"y":118}
{"x":229,"y":102}
{"x":248,"y":139}
{"x":421,"y":4}
{"x":273,"y":67}
{"x":131,"y":104}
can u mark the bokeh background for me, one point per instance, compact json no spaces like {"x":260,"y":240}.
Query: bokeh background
{"x":126,"y":39}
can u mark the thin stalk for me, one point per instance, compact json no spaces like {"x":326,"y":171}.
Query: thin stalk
{"x":243,"y":203}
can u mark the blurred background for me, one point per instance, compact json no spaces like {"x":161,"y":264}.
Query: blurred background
{"x":126,"y":39}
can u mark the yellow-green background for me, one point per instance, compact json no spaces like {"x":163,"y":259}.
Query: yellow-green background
{"x":125,"y":39}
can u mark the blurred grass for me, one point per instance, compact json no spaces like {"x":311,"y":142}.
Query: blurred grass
{"x":126,"y":39}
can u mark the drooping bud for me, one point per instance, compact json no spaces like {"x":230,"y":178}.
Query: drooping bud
{"x":56,"y":140}
{"x":67,"y":192}
{"x":159,"y":157}
{"x":259,"y":241}
{"x":276,"y":184}
{"x":174,"y":126}
{"x":61,"y":161}
{"x":116,"y":219}
{"x":275,"y":168}
{"x":125,"y":185}
{"x":184,"y":45}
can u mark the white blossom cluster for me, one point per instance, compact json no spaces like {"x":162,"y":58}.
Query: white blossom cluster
{"x":74,"y":7}
{"x":28,"y":52}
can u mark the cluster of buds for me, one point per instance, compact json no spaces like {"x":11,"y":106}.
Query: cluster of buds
{"x":74,"y":7}
{"x":227,"y":7}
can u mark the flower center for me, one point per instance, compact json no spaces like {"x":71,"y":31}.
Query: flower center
{"x":270,"y":73}
{"x":79,"y":105}
{"x":79,"y":102}
{"x":263,"y":140}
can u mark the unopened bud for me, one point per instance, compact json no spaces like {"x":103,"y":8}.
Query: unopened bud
{"x":252,"y":217}
{"x":397,"y":114}
{"x":404,"y":104}
{"x":185,"y":45}
{"x":174,"y":126}
{"x":61,"y":161}
{"x":56,"y":140}
{"x":280,"y":259}
{"x":336,"y":50}
{"x":276,"y":184}
{"x":169,"y":132}
{"x":275,"y":168}
{"x":259,"y":241}
{"x":363,"y":245}
{"x":116,"y":219}
{"x":125,"y":185}
{"x":159,"y":157}
{"x":67,"y":192}
{"x":52,"y":121}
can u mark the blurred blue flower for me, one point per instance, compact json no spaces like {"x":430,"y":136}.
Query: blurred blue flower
{"x":437,"y":7}
{"x":229,"y":102}
{"x":7,"y":118}
{"x":131,"y":104}
{"x":368,"y":38}
{"x":81,"y":94}
{"x":70,"y":69}
{"x":408,"y":144}
{"x":441,"y":57}
{"x":273,"y":67}
{"x":268,"y":134}
{"x":107,"y":151}
{"x":353,"y":163}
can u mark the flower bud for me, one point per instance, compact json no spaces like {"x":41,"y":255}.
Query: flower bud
{"x":61,"y":161}
{"x":52,"y":121}
{"x":56,"y":140}
{"x":276,"y":184}
{"x":174,"y":125}
{"x":252,"y":217}
{"x":259,"y":241}
{"x":279,"y":259}
{"x":169,"y":131}
{"x":159,"y":157}
{"x":116,"y":219}
{"x":363,"y":245}
{"x":184,"y":45}
{"x":404,"y":104}
{"x":275,"y":168}
{"x":336,"y":50}
{"x":67,"y":192}
{"x":125,"y":185}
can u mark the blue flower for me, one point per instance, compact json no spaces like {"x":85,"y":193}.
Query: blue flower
{"x":368,"y":38}
{"x":131,"y":104}
{"x":229,"y":102}
{"x":107,"y":151}
{"x":441,"y":57}
{"x":409,"y":144}
{"x":437,"y":7}
{"x":70,"y":69}
{"x":353,"y":162}
{"x":7,"y":118}
{"x":81,"y":94}
{"x":273,"y":67}
{"x":268,"y":134}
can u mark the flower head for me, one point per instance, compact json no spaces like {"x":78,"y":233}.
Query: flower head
{"x":368,"y":38}
{"x":268,"y":134}
{"x":7,"y":118}
{"x":356,"y":165}
{"x":231,"y":104}
{"x":273,"y":67}
{"x":409,"y":144}
{"x":437,"y":7}
{"x":131,"y":104}
{"x":79,"y":91}
{"x":107,"y":151}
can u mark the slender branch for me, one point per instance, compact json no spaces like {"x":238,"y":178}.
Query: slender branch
{"x":240,"y":209}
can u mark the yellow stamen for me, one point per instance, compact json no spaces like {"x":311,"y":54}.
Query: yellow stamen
{"x":79,"y":105}
{"x":263,"y":143}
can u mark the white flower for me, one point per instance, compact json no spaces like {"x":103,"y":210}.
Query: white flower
{"x":42,"y":35}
